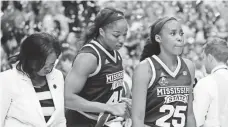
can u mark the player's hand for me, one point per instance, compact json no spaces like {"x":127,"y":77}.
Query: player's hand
{"x":118,"y":109}
{"x":127,"y":100}
{"x":129,"y":106}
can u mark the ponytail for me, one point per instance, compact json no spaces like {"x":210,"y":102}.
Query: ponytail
{"x":90,"y":34}
{"x":150,"y":48}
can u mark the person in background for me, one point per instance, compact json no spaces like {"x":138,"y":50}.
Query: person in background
{"x":210,"y":103}
{"x":33,"y":91}
{"x":163,"y":81}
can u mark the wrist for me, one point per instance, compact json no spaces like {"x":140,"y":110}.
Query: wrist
{"x":108,"y":108}
{"x":101,"y":107}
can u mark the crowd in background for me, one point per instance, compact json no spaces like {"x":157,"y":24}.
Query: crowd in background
{"x":67,"y":20}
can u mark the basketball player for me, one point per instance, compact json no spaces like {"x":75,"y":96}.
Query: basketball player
{"x":94,"y":84}
{"x":162,"y":82}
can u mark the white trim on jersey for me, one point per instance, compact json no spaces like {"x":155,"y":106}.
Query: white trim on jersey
{"x":153,"y":72}
{"x":114,"y":59}
{"x":99,"y":60}
{"x":173,"y":74}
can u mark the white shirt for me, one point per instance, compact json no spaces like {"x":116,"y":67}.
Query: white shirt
{"x":210,"y":103}
{"x":19,"y":103}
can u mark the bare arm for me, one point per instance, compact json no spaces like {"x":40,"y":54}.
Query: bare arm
{"x":141,"y":78}
{"x":84,"y":65}
{"x":191,"y":122}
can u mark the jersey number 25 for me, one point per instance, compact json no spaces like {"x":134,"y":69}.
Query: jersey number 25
{"x":172,"y":112}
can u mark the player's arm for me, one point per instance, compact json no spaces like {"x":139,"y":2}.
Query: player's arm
{"x":191,"y":122}
{"x":84,"y":65}
{"x":141,"y":78}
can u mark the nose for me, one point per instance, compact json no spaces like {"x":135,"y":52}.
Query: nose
{"x":49,"y":71}
{"x":121,"y":39}
{"x":179,"y":38}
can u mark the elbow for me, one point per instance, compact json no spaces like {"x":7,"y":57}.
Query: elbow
{"x":68,"y":98}
{"x":137,"y":123}
{"x":73,"y":101}
{"x":137,"y":120}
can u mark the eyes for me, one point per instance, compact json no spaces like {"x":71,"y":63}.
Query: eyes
{"x":173,"y":33}
{"x":119,"y":35}
{"x":116,"y":36}
{"x":48,"y":67}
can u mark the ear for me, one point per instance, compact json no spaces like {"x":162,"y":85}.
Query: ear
{"x":158,"y":38}
{"x":211,"y":58}
{"x":101,"y":32}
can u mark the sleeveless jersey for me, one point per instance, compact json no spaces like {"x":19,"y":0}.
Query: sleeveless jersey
{"x":167,"y":95}
{"x":106,"y":83}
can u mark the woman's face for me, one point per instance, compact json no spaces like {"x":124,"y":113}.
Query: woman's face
{"x":172,"y":39}
{"x":115,"y":34}
{"x":48,"y":66}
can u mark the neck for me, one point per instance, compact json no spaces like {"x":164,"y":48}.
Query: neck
{"x":102,"y":42}
{"x":169,"y":60}
{"x":38,"y":80}
{"x":38,"y":77}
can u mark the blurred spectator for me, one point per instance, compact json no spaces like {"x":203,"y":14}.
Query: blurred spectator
{"x":200,"y":19}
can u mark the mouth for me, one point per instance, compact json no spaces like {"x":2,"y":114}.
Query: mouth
{"x":179,"y":46}
{"x":47,"y":72}
{"x":119,"y":45}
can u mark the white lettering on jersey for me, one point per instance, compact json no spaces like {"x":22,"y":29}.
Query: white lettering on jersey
{"x":173,"y":93}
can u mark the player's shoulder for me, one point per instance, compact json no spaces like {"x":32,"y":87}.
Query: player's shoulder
{"x":143,"y":67}
{"x":88,"y":48}
{"x":189,"y":63}
{"x":191,"y":67}
{"x":145,"y":64}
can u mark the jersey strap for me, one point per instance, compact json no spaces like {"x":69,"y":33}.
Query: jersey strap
{"x":153,"y":72}
{"x":99,"y":60}
{"x":113,"y":58}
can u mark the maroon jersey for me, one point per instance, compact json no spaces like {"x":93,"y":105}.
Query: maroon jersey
{"x":106,"y":83}
{"x":167,"y":95}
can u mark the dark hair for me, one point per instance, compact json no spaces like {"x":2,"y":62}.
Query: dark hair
{"x":103,"y":18}
{"x":218,"y":48}
{"x":152,"y":47}
{"x":34,"y":51}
